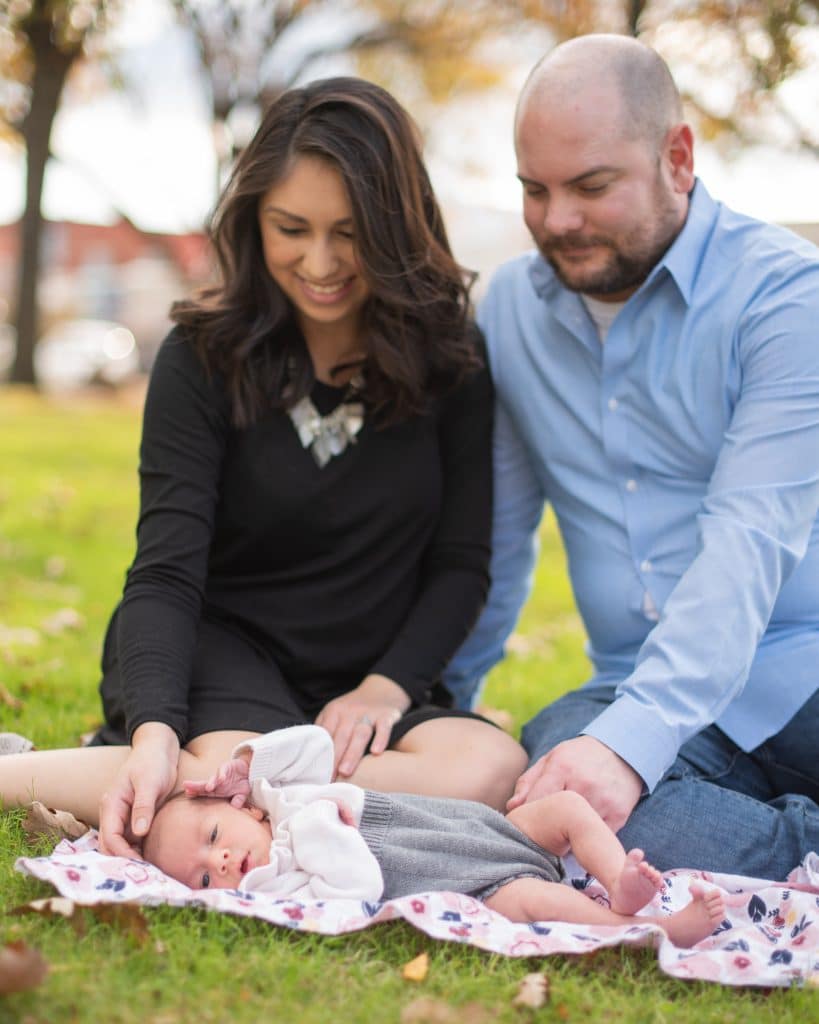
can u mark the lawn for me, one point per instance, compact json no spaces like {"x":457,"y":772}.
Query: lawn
{"x":67,"y":513}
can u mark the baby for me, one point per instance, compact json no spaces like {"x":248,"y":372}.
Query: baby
{"x":271,"y":820}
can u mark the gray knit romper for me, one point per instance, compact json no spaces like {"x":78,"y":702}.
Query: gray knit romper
{"x":426,"y":844}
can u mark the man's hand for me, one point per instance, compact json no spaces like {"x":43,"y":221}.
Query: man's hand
{"x":366,"y":713}
{"x":148,"y":776}
{"x":230,"y":782}
{"x":590,"y":768}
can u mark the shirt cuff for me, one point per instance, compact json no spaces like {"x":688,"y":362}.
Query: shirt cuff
{"x":638,"y":735}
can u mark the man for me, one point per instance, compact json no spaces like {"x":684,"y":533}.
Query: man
{"x":657,"y":372}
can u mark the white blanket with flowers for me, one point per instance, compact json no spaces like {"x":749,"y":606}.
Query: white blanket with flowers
{"x":770,"y":936}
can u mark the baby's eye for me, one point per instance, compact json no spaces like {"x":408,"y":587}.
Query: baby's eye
{"x":214,"y":833}
{"x":205,"y":880}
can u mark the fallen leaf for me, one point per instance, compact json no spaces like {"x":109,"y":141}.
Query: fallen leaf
{"x":416,"y":970}
{"x":428,"y":1011}
{"x":21,"y":967}
{"x":55,"y":567}
{"x":54,"y":906}
{"x":8,"y":698}
{"x":533,"y":991}
{"x":18,"y":635}
{"x":434,"y":1011}
{"x":61,"y":620}
{"x":124,"y":917}
{"x":42,"y":821}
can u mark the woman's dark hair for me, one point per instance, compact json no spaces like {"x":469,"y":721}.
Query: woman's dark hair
{"x":416,"y":319}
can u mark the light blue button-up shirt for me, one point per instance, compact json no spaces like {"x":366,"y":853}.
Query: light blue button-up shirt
{"x":682,"y":462}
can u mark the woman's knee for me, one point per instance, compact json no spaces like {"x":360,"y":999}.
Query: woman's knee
{"x":212,"y":749}
{"x":481,"y":762}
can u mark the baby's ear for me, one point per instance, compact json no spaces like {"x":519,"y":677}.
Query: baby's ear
{"x":255,"y":812}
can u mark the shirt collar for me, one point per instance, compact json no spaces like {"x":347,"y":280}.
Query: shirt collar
{"x":684,"y":255}
{"x":681,"y":261}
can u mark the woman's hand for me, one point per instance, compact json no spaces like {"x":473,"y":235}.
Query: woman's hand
{"x":148,"y":776}
{"x":365,"y":714}
{"x":230,"y":782}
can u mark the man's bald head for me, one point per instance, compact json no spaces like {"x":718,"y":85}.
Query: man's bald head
{"x":633,"y":75}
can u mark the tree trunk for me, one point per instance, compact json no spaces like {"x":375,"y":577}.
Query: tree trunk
{"x":51,"y":67}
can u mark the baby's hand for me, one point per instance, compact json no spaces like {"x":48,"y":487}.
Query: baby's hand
{"x":345,"y":812}
{"x":230,"y":782}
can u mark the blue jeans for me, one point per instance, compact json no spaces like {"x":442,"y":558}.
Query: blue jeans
{"x":717,"y":808}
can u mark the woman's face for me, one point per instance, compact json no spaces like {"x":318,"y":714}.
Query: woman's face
{"x":309,"y":249}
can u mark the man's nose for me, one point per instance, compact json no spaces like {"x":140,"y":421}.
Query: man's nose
{"x":562,"y":215}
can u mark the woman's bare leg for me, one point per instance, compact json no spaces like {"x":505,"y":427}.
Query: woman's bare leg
{"x":454,"y":757}
{"x":534,"y":899}
{"x":74,"y":779}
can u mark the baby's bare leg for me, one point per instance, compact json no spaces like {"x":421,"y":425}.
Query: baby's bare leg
{"x":534,"y":899}
{"x":563,"y":821}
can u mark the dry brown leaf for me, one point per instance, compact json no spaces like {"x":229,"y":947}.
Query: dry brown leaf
{"x":434,"y":1011}
{"x":54,"y":906}
{"x":21,"y":967}
{"x":61,"y":620}
{"x":11,"y":635}
{"x":8,"y":698}
{"x":416,"y":970}
{"x":533,"y":991}
{"x":124,"y":917}
{"x":42,"y":821}
{"x":428,"y":1011}
{"x":54,"y":567}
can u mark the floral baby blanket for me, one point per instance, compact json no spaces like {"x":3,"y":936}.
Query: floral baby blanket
{"x":770,"y":936}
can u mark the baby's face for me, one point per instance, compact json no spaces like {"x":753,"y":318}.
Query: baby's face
{"x":207,"y":843}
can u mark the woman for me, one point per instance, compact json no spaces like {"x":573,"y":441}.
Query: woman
{"x":315,"y":489}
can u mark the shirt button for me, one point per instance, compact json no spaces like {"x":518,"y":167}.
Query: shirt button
{"x":646,"y":566}
{"x":631,"y":485}
{"x":613,"y":403}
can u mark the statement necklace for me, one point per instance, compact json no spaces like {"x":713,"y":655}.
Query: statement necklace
{"x":328,"y":436}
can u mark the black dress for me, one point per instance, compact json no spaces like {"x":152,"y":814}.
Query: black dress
{"x":263,"y":586}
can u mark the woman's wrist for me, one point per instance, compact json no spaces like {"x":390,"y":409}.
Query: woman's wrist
{"x":157,"y":735}
{"x":384,"y":689}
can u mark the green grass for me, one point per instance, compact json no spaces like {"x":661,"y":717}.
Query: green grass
{"x":67,"y":513}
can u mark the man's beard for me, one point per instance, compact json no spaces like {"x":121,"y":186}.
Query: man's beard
{"x":630,"y":259}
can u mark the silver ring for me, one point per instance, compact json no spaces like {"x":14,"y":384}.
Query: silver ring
{"x":365,"y":720}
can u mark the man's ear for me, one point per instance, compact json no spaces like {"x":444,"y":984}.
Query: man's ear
{"x":679,"y":157}
{"x":254,"y":812}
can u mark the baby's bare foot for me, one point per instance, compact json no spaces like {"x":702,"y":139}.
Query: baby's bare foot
{"x":635,"y":885}
{"x":698,"y":920}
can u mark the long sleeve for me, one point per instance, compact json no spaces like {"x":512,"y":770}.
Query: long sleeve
{"x":313,"y":854}
{"x":184,"y":429}
{"x":754,"y":524}
{"x":681,"y":459}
